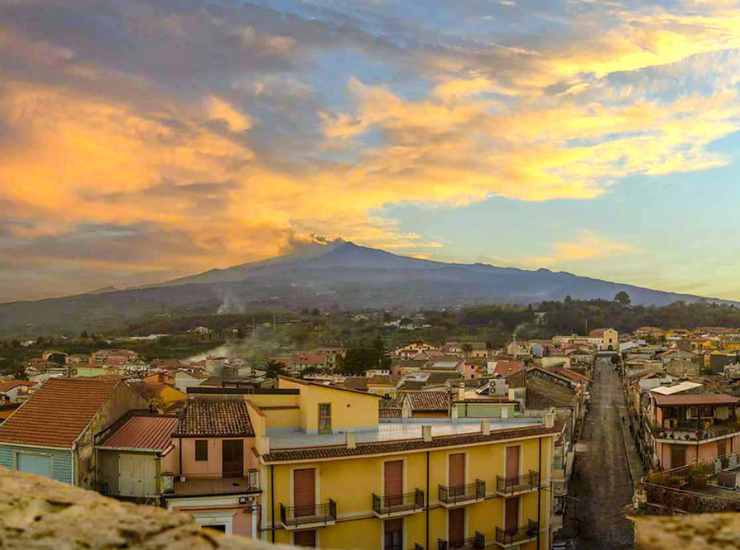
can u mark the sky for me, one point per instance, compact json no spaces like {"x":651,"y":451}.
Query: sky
{"x":145,"y":140}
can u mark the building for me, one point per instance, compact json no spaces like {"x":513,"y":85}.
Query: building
{"x":52,"y":433}
{"x":14,"y":391}
{"x":216,"y":468}
{"x":136,"y":457}
{"x":427,"y":483}
{"x":112,"y":358}
{"x":606,"y":339}
{"x":691,"y":428}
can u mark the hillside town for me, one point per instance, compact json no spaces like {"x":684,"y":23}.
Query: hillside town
{"x":453,"y":445}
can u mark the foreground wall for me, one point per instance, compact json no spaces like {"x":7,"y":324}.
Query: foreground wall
{"x":37,"y":512}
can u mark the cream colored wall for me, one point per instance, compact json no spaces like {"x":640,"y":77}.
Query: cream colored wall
{"x":349,"y":410}
{"x":272,"y":400}
{"x":283,"y":417}
{"x":213,"y":467}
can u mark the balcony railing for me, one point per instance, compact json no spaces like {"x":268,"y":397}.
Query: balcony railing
{"x":312,"y":514}
{"x":519,"y":484}
{"x":462,"y":494}
{"x":510,"y":537}
{"x":476,"y":542}
{"x":400,"y":504}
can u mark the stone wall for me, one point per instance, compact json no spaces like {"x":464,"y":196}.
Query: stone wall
{"x":687,"y":532}
{"x":39,"y":513}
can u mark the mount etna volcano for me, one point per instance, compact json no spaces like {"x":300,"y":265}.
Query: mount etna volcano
{"x":339,"y":274}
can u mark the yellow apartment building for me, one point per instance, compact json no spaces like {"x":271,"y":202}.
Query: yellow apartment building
{"x":333,"y":475}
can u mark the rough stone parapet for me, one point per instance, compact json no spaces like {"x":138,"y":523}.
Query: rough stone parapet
{"x":687,"y":532}
{"x":39,"y":513}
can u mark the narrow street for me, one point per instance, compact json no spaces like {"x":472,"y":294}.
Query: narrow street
{"x":602,"y":483}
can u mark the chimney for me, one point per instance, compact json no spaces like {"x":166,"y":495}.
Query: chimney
{"x":485,"y":427}
{"x":350,"y":440}
{"x":426,"y":433}
{"x":550,"y":419}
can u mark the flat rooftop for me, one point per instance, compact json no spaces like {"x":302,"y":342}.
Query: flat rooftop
{"x":281,"y":438}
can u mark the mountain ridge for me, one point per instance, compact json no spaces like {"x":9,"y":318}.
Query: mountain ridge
{"x":338,"y":274}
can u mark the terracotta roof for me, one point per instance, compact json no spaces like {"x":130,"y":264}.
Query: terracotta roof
{"x":507,"y":368}
{"x":428,"y":400}
{"x":406,"y":445}
{"x":58,"y":412}
{"x":144,"y":433}
{"x":355,"y":383}
{"x":568,"y":373}
{"x":695,"y":399}
{"x":215,"y":418}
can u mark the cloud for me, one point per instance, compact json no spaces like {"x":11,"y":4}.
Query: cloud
{"x":193,"y":135}
{"x":587,"y":246}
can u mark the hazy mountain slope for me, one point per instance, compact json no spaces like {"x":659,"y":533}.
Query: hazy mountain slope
{"x":339,"y":274}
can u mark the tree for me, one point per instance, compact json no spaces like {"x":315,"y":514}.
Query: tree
{"x":623,"y":298}
{"x":273,"y":369}
{"x":467,"y":348}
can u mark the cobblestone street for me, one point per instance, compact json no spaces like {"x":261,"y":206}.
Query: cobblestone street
{"x":602,"y":484}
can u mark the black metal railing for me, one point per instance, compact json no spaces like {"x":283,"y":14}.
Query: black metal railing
{"x":294,"y":516}
{"x":512,"y":536}
{"x":510,"y":485}
{"x":462,"y":493}
{"x":476,"y":542}
{"x":391,"y":504}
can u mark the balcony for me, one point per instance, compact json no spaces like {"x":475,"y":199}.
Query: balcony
{"x":390,"y":506}
{"x":202,"y":487}
{"x":460,"y":495}
{"x":508,"y":538}
{"x":477,"y":541}
{"x":512,"y":486}
{"x":305,"y":517}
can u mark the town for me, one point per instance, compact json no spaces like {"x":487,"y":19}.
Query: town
{"x":440,"y":442}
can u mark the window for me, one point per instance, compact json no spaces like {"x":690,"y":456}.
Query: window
{"x":253,"y":478}
{"x":201,"y":450}
{"x":324,"y":418}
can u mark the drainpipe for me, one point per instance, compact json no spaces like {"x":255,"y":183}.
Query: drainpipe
{"x":539,"y":492}
{"x":272,"y":501}
{"x":426,"y":511}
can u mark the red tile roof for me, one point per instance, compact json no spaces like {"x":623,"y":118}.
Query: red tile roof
{"x":215,"y":418}
{"x":507,"y":368}
{"x":573,"y":375}
{"x":143,"y":433}
{"x":406,"y":445}
{"x":429,"y":400}
{"x":58,"y":412}
{"x":695,"y":399}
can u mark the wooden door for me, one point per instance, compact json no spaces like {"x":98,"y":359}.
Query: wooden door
{"x":721,"y":448}
{"x":232,"y":456}
{"x":304,"y":492}
{"x":511,"y":521}
{"x":456,"y":520}
{"x":457,"y":474}
{"x":393,"y":480}
{"x":512,"y":463}
{"x":678,"y":456}
{"x":305,"y":538}
{"x":393,"y":534}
